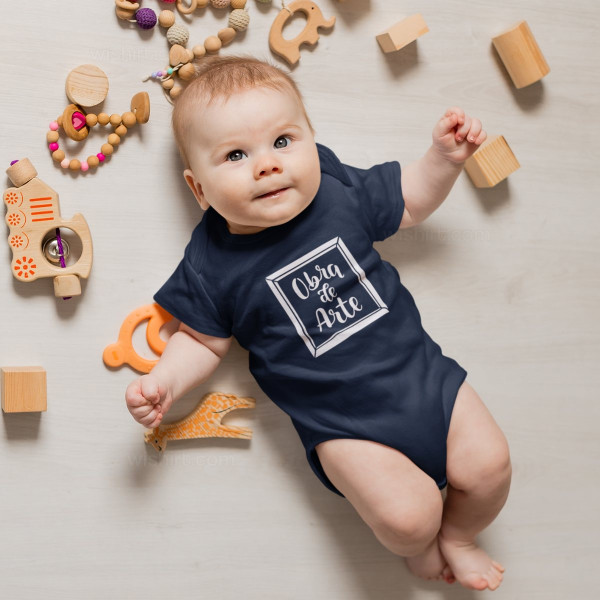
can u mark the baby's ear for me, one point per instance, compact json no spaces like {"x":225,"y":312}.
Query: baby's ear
{"x":196,"y":188}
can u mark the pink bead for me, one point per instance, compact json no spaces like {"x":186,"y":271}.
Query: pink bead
{"x":84,"y":165}
{"x":100,"y":156}
{"x":65,"y":163}
{"x":54,"y":126}
{"x":53,"y":146}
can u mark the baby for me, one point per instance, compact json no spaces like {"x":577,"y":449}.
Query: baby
{"x":283,"y":260}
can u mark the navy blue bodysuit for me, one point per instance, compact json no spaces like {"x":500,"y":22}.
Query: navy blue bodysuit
{"x":334,"y":338}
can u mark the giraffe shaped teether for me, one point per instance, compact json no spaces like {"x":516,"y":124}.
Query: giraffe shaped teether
{"x":204,"y":421}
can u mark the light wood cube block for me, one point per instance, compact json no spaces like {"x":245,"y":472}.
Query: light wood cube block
{"x":491,"y":163}
{"x":521,"y":55}
{"x":67,"y":286}
{"x":402,"y":33}
{"x":23,"y":389}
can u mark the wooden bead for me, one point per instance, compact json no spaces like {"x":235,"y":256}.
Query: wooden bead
{"x":212,"y":44}
{"x":175,"y":92}
{"x":74,"y":165}
{"x":199,"y":51}
{"x":103,"y":118}
{"x":58,"y":155}
{"x":115,"y":120}
{"x":67,"y":124}
{"x":177,"y":54}
{"x":121,"y":130}
{"x":114,"y":139}
{"x":187,"y":72}
{"x":166,"y":18}
{"x":140,"y":107}
{"x":190,"y":55}
{"x":129,"y":119}
{"x":168,"y":84}
{"x":226,"y":35}
{"x":59,"y":121}
{"x":238,"y":4}
{"x":52,"y":136}
{"x":91,"y":119}
{"x":124,"y":14}
{"x":86,"y":85}
{"x":93,"y":160}
{"x":107,"y":149}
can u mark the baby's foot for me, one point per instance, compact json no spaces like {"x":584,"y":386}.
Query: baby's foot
{"x":471,"y":566}
{"x":430,"y":564}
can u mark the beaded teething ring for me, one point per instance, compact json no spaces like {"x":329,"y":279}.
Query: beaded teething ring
{"x":76,"y":125}
{"x":178,"y":35}
{"x":87,"y":85}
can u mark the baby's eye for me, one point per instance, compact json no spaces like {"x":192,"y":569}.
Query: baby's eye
{"x":282,"y":137}
{"x":235,"y":155}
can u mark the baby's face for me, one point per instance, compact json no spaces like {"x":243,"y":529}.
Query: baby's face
{"x":253,"y":158}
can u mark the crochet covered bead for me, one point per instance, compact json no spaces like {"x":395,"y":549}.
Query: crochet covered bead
{"x":145,"y":18}
{"x":178,"y":34}
{"x":239,"y":19}
{"x":220,"y":3}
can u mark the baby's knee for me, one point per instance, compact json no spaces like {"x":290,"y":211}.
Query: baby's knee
{"x":492,"y":471}
{"x":409,"y":525}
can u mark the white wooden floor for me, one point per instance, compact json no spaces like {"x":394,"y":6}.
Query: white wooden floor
{"x":507,"y":281}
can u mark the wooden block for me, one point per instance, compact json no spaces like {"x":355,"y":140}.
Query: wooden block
{"x":521,"y":55}
{"x":23,"y":389}
{"x":402,"y":33}
{"x":67,"y":286}
{"x":491,"y":163}
{"x":86,"y":85}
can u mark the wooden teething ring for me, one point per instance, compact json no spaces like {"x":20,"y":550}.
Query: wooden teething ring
{"x":290,"y":49}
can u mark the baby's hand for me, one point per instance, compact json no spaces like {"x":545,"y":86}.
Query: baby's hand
{"x":456,"y":135}
{"x":148,"y":400}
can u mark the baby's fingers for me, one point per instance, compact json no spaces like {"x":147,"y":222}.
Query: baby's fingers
{"x":474,"y":131}
{"x":462,"y":131}
{"x":149,"y":389}
{"x":152,"y":418}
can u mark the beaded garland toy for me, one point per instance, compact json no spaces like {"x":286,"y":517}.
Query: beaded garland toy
{"x":86,"y":86}
{"x":180,"y":58}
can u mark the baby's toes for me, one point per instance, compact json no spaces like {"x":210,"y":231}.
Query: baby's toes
{"x":494,"y":578}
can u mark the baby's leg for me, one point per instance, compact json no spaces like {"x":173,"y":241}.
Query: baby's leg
{"x":397,"y":500}
{"x":478,"y":470}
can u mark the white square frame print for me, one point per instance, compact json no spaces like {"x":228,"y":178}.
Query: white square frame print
{"x":350,"y":321}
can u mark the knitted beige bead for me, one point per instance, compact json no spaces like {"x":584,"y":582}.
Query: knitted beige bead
{"x":178,"y":34}
{"x":239,"y":3}
{"x":220,"y":3}
{"x":166,"y":18}
{"x":239,"y":19}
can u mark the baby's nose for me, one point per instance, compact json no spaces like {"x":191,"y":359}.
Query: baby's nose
{"x":268,"y":166}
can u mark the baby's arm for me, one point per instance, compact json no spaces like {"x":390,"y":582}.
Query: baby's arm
{"x":427,"y":182}
{"x":188,"y":360}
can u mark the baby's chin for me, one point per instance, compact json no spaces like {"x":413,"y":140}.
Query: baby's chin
{"x":279,"y":213}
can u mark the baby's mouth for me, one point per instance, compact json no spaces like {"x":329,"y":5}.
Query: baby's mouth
{"x":273,"y":193}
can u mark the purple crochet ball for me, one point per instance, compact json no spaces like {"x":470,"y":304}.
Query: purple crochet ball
{"x":146,"y":18}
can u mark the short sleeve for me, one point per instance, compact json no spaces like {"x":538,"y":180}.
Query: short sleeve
{"x":186,"y":296}
{"x":380,"y":197}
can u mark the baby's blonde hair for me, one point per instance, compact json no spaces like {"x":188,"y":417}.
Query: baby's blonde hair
{"x":221,"y":77}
